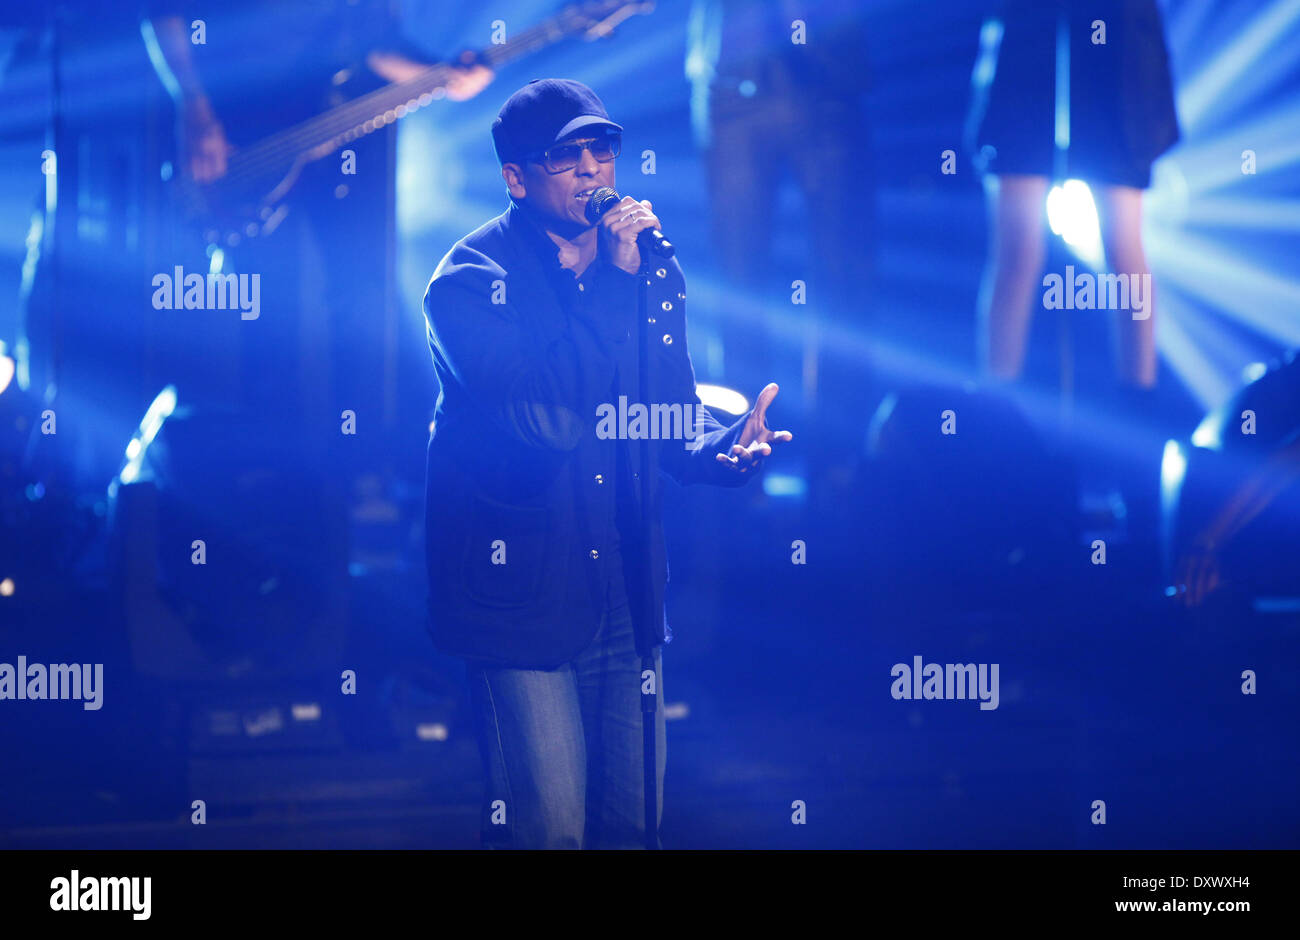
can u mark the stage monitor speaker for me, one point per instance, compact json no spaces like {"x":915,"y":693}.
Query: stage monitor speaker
{"x":966,"y":503}
{"x":265,"y":594}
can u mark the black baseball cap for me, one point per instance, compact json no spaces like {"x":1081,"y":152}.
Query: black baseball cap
{"x":544,"y":111}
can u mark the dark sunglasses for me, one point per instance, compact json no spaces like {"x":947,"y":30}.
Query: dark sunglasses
{"x":567,"y":154}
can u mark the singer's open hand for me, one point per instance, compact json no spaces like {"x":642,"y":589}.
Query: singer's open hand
{"x":756,"y":437}
{"x":619,"y":228}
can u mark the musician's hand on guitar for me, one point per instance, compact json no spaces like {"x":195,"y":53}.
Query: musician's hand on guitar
{"x":203,"y":144}
{"x":466,"y":79}
{"x":465,"y":83}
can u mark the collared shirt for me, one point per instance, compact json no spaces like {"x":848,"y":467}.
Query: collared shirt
{"x":603,"y":464}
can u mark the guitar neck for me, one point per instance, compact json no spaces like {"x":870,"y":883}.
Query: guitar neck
{"x":322,"y":135}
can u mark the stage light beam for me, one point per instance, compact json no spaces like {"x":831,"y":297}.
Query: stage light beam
{"x":1072,"y":214}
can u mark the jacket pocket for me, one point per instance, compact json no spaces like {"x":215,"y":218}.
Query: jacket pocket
{"x":508,"y":555}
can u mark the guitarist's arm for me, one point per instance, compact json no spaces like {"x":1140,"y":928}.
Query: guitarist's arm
{"x":465,"y":82}
{"x":202,"y":138}
{"x":395,"y":58}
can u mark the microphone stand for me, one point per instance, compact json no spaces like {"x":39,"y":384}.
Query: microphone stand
{"x":1064,"y":325}
{"x":649,"y":700}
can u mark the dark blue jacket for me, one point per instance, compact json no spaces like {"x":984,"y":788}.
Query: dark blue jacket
{"x":521,"y":383}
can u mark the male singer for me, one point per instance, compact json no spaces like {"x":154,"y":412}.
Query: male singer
{"x":541,"y":572}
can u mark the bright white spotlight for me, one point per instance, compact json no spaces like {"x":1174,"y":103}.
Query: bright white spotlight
{"x":724,"y":399}
{"x":6,"y":368}
{"x":1207,"y":435}
{"x":159,"y":411}
{"x":1173,"y":465}
{"x":1072,"y":214}
{"x":1256,"y":370}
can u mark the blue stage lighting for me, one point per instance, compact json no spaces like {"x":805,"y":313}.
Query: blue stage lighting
{"x":722,"y":398}
{"x":159,"y":411}
{"x":785,"y":484}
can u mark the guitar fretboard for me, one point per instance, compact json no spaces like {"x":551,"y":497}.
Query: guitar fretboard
{"x":322,"y":135}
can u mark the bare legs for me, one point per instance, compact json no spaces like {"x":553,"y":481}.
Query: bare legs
{"x":1010,"y":292}
{"x":1133,"y":342}
{"x":1017,"y":213}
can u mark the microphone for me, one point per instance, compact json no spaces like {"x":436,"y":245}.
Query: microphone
{"x":648,"y":240}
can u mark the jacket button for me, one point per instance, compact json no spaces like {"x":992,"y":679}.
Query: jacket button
{"x":668,"y":340}
{"x":599,"y":479}
{"x":667,"y":305}
{"x":595,"y":554}
{"x":582,"y":287}
{"x":662,"y":272}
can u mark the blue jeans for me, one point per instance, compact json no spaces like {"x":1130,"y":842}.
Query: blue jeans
{"x":562,"y":748}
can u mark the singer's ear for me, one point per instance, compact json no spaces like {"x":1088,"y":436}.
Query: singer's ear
{"x":513,"y":174}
